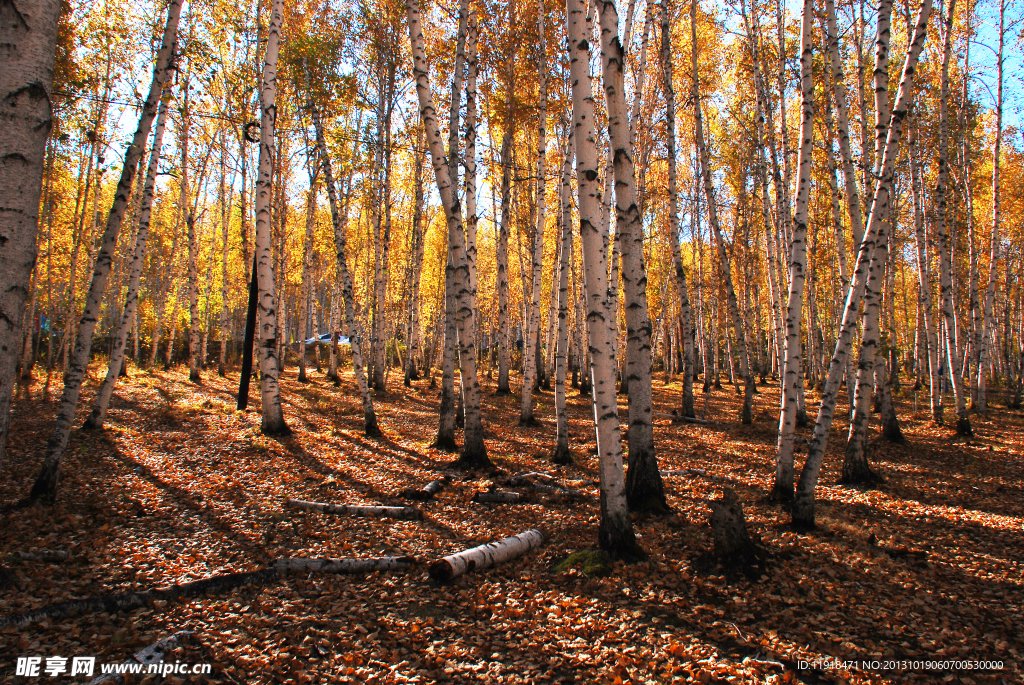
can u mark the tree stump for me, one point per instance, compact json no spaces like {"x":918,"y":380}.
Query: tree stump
{"x":734,"y":548}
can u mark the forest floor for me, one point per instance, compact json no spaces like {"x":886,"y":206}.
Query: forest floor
{"x":179,"y":486}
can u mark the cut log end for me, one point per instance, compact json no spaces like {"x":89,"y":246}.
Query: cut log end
{"x":484,"y":556}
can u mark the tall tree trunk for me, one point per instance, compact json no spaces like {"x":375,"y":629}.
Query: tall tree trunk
{"x":616,"y":529}
{"x":686,"y":328}
{"x":307,"y":276}
{"x":413,"y":346}
{"x":941,"y":221}
{"x":46,"y":484}
{"x":339,"y":218}
{"x":451,"y":410}
{"x":562,"y":454}
{"x":924,"y":279}
{"x":474,"y":451}
{"x":193,"y":243}
{"x":988,"y":324}
{"x":472,"y":36}
{"x":273,"y":417}
{"x":502,"y":260}
{"x":99,"y":409}
{"x":793,"y":374}
{"x":225,"y":203}
{"x":531,"y":343}
{"x":803,"y":505}
{"x":746,"y":415}
{"x":856,"y":468}
{"x":644,"y":489}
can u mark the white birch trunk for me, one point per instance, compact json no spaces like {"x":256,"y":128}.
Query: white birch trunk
{"x":26,"y":80}
{"x":193,"y":242}
{"x":502,"y":260}
{"x":225,"y":204}
{"x":485,"y":556}
{"x":267,"y":337}
{"x":644,"y":489}
{"x":359,"y":510}
{"x":793,"y":362}
{"x":46,"y":484}
{"x":532,"y":338}
{"x":616,"y":529}
{"x":99,"y":409}
{"x":562,"y":454}
{"x":803,"y":505}
{"x":307,"y":276}
{"x":339,"y":218}
{"x":413,"y":354}
{"x":474,"y":452}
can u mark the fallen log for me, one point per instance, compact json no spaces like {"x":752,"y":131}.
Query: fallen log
{"x":425,"y":493}
{"x":677,"y":417}
{"x":404,"y":513}
{"x":701,"y":473}
{"x":345,"y":565}
{"x":126,"y":601}
{"x":485,"y":556}
{"x":552,"y":487}
{"x":153,"y":654}
{"x":497,"y":497}
{"x":49,"y":555}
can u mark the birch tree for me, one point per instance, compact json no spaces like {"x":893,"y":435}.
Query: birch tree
{"x":532,"y":342}
{"x":616,"y":529}
{"x":793,"y":362}
{"x":474,"y":451}
{"x":267,"y":339}
{"x":803,"y":504}
{"x":48,"y":481}
{"x":99,"y":409}
{"x":26,"y":82}
{"x":561,"y":454}
{"x":644,"y":489}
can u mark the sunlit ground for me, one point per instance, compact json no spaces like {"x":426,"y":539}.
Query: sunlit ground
{"x":181,"y":486}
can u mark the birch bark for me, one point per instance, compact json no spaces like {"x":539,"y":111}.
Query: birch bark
{"x":644,"y":489}
{"x":474,"y":451}
{"x":47,"y":482}
{"x":531,"y":343}
{"x":26,"y":80}
{"x":562,"y":455}
{"x":339,"y":217}
{"x":273,"y":418}
{"x":99,"y":409}
{"x":616,"y":529}
{"x":803,"y":505}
